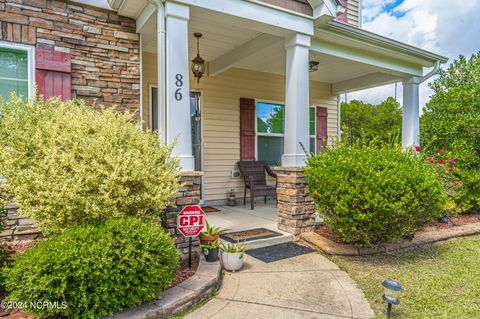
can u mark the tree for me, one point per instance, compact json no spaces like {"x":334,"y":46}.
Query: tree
{"x":451,"y":120}
{"x":365,"y":121}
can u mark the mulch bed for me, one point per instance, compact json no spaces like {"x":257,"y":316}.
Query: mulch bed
{"x":183,"y":273}
{"x":331,"y":234}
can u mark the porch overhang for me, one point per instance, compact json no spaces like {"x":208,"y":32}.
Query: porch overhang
{"x":392,"y":60}
{"x":251,"y":14}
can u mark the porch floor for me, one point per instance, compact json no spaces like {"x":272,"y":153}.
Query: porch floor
{"x":238,"y":218}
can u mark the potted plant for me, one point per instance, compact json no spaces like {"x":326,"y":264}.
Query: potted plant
{"x":211,"y":250}
{"x":232,"y":255}
{"x":211,"y":234}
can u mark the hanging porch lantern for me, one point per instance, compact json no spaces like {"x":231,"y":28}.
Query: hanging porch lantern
{"x":198,"y":64}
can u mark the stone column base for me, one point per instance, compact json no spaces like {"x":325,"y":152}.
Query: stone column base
{"x":189,"y":194}
{"x":295,"y":208}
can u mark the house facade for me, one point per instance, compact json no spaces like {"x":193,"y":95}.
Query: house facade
{"x":274,"y":70}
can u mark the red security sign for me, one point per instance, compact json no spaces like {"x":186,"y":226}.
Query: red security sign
{"x":190,"y":221}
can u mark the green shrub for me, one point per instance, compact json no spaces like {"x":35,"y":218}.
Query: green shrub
{"x":66,"y":163}
{"x":372,"y":194}
{"x":95,"y":269}
{"x":467,"y":197}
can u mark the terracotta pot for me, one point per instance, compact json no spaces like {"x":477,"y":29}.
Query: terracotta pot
{"x":204,"y":240}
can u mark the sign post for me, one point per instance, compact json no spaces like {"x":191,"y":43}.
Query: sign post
{"x":190,"y":222}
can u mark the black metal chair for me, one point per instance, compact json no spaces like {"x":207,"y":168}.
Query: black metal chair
{"x":255,"y":180}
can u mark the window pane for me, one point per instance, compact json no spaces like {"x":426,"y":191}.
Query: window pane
{"x":13,"y":72}
{"x":8,"y":86}
{"x":270,"y":118}
{"x":312,"y":145}
{"x":270,"y":149}
{"x":312,"y":121}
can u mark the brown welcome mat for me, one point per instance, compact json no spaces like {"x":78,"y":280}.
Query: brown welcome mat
{"x":249,"y":234}
{"x":210,"y":209}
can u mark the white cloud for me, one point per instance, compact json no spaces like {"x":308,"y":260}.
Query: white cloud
{"x":446,"y":27}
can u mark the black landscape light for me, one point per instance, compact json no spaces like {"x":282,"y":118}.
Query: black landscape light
{"x":391,"y":294}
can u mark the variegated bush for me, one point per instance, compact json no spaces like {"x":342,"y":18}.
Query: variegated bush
{"x":65,"y":163}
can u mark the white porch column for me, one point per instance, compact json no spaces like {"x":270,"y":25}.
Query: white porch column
{"x":297,"y":100}
{"x":177,"y":82}
{"x":411,"y":112}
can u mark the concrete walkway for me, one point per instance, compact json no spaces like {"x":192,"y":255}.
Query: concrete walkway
{"x":307,"y":286}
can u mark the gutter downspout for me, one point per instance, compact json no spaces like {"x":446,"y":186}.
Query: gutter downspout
{"x":434,"y":71}
{"x":339,"y":119}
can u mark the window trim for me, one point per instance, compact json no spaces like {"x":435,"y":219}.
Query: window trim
{"x":257,"y":134}
{"x":31,"y":61}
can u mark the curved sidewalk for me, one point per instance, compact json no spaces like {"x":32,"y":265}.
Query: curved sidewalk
{"x":308,"y":286}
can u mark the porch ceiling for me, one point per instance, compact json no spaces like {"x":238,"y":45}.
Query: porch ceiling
{"x":229,"y":42}
{"x":218,"y":37}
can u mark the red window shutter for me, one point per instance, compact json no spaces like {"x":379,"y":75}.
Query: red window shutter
{"x":322,"y":128}
{"x":343,"y":17}
{"x":247,"y":129}
{"x":53,"y":73}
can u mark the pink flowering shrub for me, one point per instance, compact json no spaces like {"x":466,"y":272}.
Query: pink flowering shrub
{"x":457,"y":182}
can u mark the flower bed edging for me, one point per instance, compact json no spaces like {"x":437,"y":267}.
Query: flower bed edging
{"x":180,"y":298}
{"x":423,"y":238}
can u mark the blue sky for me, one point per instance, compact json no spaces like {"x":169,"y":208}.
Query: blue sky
{"x":446,"y":27}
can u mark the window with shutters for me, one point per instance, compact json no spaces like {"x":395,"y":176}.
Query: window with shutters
{"x":318,"y":127}
{"x":15,"y":70}
{"x":53,"y":73}
{"x":270,"y":131}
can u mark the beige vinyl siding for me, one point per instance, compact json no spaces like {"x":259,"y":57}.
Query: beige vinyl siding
{"x":149,"y":77}
{"x":221,"y":118}
{"x":353,"y":12}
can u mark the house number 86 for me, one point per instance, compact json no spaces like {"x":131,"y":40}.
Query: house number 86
{"x":178,"y":84}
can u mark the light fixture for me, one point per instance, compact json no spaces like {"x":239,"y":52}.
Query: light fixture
{"x":313,"y":66}
{"x":391,"y":295}
{"x":198,"y":64}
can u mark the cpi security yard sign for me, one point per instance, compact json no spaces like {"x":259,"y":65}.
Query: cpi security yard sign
{"x":190,"y":222}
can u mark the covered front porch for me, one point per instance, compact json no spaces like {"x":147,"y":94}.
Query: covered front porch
{"x":269,"y":91}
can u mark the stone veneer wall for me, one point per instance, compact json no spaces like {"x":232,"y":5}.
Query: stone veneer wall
{"x":295,"y":208}
{"x":104,"y":48}
{"x":189,"y":194}
{"x":18,"y":227}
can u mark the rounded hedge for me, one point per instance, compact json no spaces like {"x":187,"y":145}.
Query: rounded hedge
{"x":94,"y":270}
{"x":66,"y":163}
{"x":371,"y":195}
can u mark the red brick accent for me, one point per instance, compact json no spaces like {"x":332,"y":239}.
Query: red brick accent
{"x":103,"y":46}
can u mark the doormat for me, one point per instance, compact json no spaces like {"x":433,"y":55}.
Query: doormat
{"x":249,"y":234}
{"x":210,"y":209}
{"x":278,"y":252}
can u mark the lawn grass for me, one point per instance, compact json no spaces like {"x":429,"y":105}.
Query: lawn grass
{"x":441,"y":281}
